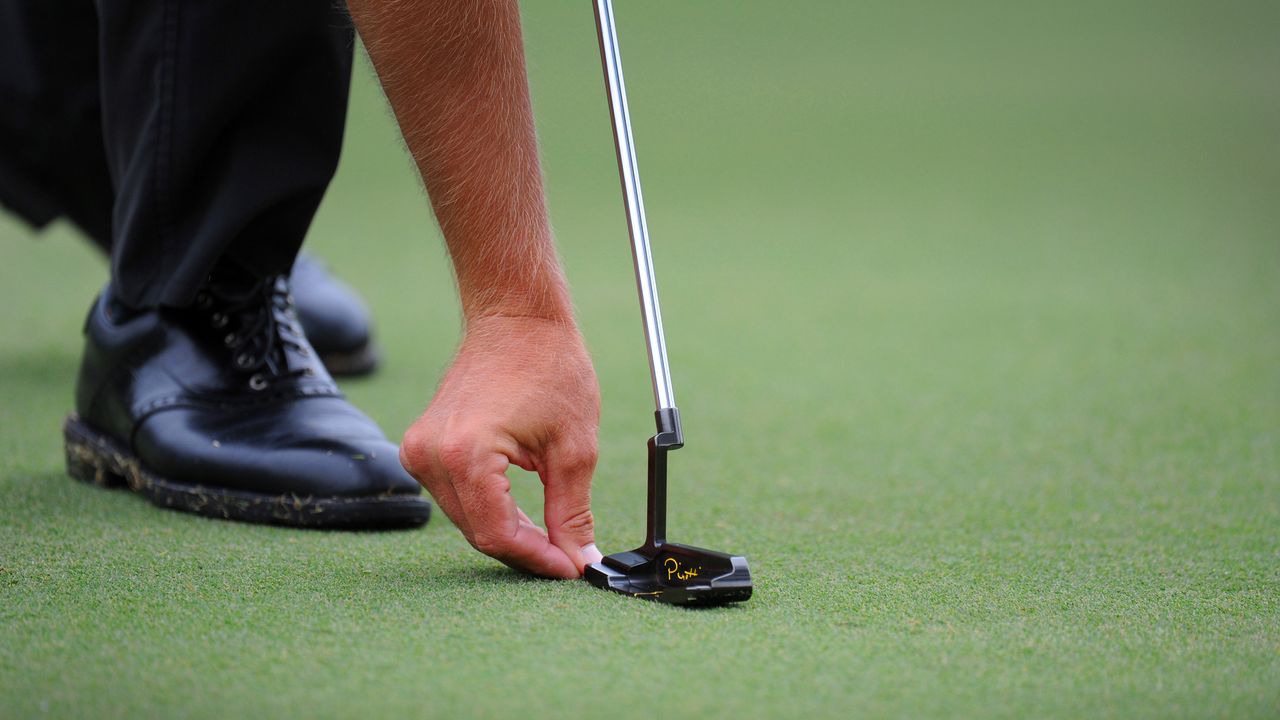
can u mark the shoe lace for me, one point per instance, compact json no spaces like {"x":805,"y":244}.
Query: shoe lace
{"x":261,"y":327}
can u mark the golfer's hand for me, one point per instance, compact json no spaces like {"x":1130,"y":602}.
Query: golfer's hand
{"x":520,"y":391}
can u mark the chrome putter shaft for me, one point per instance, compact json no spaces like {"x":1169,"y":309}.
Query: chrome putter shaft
{"x":657,"y":570}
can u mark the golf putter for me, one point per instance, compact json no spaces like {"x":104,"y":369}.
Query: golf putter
{"x":658,"y":570}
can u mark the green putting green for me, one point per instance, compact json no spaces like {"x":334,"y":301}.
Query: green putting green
{"x":974,"y":315}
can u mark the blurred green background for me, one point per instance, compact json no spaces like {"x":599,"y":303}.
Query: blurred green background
{"x":974,"y":314}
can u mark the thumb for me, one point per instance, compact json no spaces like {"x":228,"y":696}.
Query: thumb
{"x":567,"y":510}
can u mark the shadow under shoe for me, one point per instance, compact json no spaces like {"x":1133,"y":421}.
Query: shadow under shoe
{"x":223,"y":409}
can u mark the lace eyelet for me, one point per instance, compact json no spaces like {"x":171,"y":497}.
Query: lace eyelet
{"x":243,"y":360}
{"x":257,"y":382}
{"x":203,"y":301}
{"x":230,"y":339}
{"x":218,"y":320}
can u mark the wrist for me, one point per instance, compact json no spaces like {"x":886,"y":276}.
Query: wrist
{"x":548,"y":300}
{"x":525,"y":340}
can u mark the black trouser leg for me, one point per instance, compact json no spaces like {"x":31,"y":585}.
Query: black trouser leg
{"x":223,"y":123}
{"x":51,"y":157}
{"x":202,"y":134}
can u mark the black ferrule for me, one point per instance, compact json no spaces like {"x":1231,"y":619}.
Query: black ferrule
{"x":670,"y":435}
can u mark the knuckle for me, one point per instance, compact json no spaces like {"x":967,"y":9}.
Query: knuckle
{"x":492,"y":485}
{"x":579,"y":522}
{"x":581,"y":459}
{"x":577,"y":449}
{"x":415,"y":449}
{"x":455,"y":450}
{"x":413,"y":452}
{"x":490,"y":544}
{"x":408,"y":456}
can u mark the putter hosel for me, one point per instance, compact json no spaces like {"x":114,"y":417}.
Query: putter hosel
{"x":669,"y":437}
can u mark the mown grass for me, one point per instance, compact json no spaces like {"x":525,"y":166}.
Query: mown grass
{"x":975,"y":319}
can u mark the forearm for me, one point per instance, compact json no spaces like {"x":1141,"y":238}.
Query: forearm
{"x":454,"y":73}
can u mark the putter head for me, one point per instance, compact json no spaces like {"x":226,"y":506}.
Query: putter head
{"x":674,"y":574}
{"x":663,"y":571}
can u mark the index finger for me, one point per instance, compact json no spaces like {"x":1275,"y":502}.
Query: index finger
{"x":498,"y":531}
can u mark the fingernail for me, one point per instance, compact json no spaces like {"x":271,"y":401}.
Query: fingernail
{"x":591,"y":554}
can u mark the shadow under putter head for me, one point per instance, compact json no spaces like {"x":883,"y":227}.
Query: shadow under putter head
{"x":657,"y":570}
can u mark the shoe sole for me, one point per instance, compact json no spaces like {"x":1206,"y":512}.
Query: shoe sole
{"x":99,"y":459}
{"x":352,"y":363}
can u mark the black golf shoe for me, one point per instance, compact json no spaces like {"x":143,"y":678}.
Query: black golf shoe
{"x":334,"y":318}
{"x":223,"y":409}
